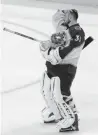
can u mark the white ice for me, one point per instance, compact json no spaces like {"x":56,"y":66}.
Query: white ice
{"x":23,"y":64}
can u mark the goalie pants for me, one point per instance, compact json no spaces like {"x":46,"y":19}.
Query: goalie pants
{"x":66,"y":73}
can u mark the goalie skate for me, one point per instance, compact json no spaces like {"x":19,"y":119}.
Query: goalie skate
{"x":74,"y":126}
{"x":48,"y":116}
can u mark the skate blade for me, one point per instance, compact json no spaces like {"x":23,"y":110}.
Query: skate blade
{"x":68,"y":130}
{"x":47,"y":122}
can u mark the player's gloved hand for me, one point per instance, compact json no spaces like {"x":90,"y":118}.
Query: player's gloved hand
{"x":58,"y":39}
{"x":58,"y":18}
{"x":45,"y":45}
{"x":49,"y":53}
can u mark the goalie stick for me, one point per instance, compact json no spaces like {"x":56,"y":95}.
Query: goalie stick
{"x":22,"y":35}
{"x":87,"y":41}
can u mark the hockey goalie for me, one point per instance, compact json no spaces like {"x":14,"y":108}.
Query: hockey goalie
{"x":61,"y":53}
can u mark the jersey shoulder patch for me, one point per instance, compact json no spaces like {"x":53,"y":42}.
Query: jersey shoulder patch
{"x":76,"y":30}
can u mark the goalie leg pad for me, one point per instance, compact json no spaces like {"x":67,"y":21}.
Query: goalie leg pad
{"x":74,"y":126}
{"x":56,"y":92}
{"x":46,"y":92}
{"x":45,"y":87}
{"x":48,"y":116}
{"x":63,"y":107}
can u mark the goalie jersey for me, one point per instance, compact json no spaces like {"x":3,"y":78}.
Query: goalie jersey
{"x":70,"y":53}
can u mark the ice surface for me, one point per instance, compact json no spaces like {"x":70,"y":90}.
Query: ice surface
{"x":21,"y":109}
{"x":22,"y":63}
